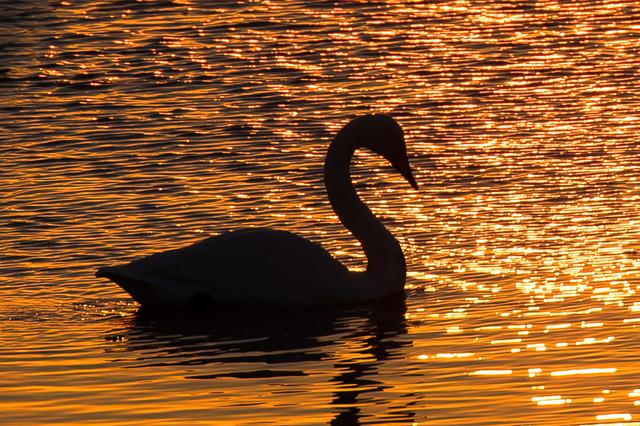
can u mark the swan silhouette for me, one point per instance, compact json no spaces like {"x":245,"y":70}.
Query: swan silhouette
{"x":262,"y":267}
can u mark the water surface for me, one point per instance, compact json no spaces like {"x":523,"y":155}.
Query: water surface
{"x":132,"y":127}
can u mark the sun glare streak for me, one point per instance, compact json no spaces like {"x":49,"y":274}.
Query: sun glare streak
{"x":584,"y":371}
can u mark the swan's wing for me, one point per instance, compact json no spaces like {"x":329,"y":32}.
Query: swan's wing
{"x":250,"y":266}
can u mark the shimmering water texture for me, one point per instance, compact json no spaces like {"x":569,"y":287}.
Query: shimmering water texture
{"x":133,"y":127}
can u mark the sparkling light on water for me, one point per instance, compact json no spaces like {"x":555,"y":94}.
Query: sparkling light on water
{"x":132,"y":127}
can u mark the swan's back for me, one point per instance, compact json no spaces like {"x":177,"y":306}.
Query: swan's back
{"x":244,"y":267}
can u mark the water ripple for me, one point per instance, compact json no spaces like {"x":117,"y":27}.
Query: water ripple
{"x":130,"y":127}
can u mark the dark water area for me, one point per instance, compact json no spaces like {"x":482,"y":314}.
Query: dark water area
{"x":131,"y":127}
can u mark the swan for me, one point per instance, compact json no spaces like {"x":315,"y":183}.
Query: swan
{"x":262,"y":267}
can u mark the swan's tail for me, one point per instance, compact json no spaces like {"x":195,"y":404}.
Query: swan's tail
{"x":153,"y":292}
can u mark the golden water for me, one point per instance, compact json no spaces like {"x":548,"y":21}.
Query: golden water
{"x":132,"y":127}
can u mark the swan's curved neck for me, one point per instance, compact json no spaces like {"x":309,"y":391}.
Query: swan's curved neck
{"x":386,"y":264}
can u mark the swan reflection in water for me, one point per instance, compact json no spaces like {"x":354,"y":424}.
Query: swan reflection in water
{"x":281,"y":344}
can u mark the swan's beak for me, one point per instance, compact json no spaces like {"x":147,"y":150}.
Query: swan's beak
{"x":405,"y":170}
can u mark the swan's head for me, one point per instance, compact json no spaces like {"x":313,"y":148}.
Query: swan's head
{"x":383,"y":135}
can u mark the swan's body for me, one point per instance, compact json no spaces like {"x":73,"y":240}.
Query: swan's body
{"x":265,"y":267}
